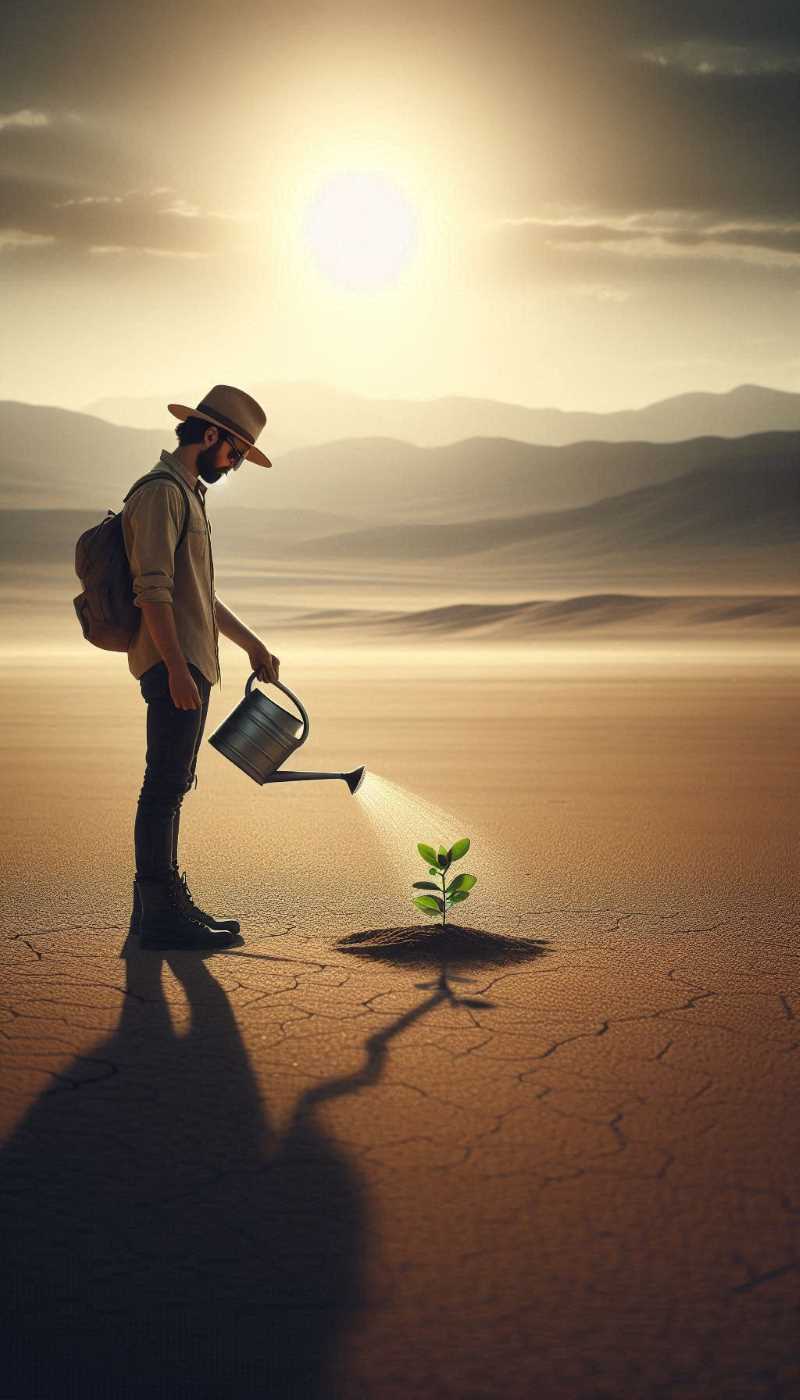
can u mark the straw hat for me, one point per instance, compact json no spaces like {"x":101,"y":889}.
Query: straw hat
{"x":233,"y":411}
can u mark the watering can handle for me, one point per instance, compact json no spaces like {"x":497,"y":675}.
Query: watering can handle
{"x":292,"y":697}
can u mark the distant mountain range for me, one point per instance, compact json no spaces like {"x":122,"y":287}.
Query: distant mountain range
{"x":60,"y":460}
{"x":740,"y":504}
{"x":303,"y":414}
{"x":737,"y":523}
{"x":52,"y":458}
{"x":727,"y":526}
{"x":480,"y":478}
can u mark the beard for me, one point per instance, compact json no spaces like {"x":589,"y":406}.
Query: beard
{"x":206,"y":468}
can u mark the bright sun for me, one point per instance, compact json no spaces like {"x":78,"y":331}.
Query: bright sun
{"x":361,"y":229}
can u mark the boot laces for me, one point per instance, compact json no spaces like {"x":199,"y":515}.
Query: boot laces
{"x":185,"y":897}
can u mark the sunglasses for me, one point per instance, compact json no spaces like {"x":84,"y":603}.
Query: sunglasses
{"x":239,"y":452}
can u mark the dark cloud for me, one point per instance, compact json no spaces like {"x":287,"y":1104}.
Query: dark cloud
{"x":734,"y":20}
{"x":758,"y":237}
{"x":560,"y":103}
{"x":614,"y":131}
{"x":643,"y":254}
{"x":156,"y":220}
{"x":90,"y":52}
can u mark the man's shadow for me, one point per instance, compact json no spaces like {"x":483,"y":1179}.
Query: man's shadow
{"x":160,"y":1240}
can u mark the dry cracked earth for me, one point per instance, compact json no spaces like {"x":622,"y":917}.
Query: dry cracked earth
{"x":563,"y":1167}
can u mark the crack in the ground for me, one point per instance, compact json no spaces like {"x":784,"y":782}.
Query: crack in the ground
{"x":757,"y":1280}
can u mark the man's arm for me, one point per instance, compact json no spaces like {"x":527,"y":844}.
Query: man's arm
{"x":233,"y":628}
{"x":160,"y":619}
{"x":265,"y":665}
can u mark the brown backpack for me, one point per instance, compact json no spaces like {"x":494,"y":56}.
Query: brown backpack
{"x":108,"y":616}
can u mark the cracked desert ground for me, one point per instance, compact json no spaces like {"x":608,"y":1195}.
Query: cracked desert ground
{"x":289,"y":1171}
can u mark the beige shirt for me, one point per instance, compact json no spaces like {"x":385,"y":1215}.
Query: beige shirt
{"x":151,"y":524}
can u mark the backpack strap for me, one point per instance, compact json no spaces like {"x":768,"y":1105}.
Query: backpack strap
{"x":166,"y":476}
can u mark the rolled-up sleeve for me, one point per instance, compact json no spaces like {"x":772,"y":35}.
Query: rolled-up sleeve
{"x":151,"y":525}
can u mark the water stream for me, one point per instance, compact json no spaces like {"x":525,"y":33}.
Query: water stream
{"x":399,"y":819}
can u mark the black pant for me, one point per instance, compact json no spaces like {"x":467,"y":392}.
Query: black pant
{"x":173,"y":743}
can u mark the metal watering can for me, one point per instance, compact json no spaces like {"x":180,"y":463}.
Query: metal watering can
{"x":258,"y":736}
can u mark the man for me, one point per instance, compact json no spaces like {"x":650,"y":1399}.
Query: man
{"x":175,"y":653}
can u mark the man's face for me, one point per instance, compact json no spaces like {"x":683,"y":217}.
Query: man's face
{"x":217,"y":460}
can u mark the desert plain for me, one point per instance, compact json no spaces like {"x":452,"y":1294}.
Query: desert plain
{"x":295,"y":1170}
{"x":552,"y":1153}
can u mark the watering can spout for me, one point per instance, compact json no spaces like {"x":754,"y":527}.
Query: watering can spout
{"x":283,"y":775}
{"x":355,"y":779}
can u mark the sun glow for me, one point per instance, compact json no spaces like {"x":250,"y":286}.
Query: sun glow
{"x":361,"y":230}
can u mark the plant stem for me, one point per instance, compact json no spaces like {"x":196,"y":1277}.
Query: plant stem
{"x":444,"y":900}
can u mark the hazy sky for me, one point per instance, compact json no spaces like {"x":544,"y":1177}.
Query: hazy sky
{"x":589,"y":205}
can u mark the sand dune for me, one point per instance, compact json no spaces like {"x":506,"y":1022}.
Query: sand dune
{"x":602,"y":613}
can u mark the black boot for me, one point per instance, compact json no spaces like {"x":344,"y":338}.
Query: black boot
{"x":163,"y":924}
{"x":185,"y":904}
{"x":188,"y":906}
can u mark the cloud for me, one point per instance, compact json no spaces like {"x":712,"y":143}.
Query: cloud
{"x":18,"y":238}
{"x":115,"y":248}
{"x":697,"y":249}
{"x":156,"y":221}
{"x":527,"y":246}
{"x":710,"y":58}
{"x":619,"y":103}
{"x":88,"y":199}
{"x":584,"y":116}
{"x":26,"y":119}
{"x":771,"y":21}
{"x":183,"y":209}
{"x":598,"y":291}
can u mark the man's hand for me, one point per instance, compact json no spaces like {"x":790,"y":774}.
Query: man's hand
{"x":182,"y":687}
{"x":265,"y":665}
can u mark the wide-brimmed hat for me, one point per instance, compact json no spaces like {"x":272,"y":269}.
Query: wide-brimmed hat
{"x":233,"y":411}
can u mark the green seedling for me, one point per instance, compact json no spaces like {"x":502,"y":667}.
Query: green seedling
{"x":439,"y":864}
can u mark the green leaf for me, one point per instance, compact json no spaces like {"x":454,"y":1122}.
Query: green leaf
{"x":424,"y":885}
{"x":459,"y":848}
{"x":428,"y":853}
{"x":459,"y":897}
{"x":428,"y":904}
{"x":434,"y":870}
{"x":443,"y":858}
{"x":462,"y":882}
